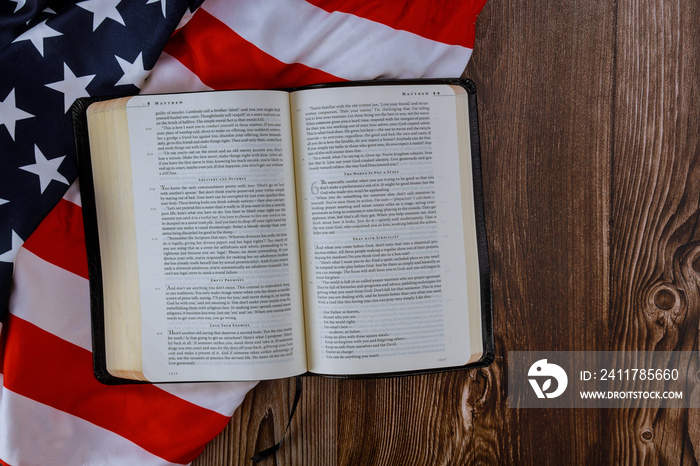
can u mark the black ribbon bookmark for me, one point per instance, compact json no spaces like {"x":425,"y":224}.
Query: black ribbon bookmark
{"x":273,"y":449}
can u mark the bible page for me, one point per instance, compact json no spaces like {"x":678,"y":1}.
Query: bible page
{"x":383,"y":185}
{"x":217,"y":236}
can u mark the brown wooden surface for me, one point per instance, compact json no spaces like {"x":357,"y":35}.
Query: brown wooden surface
{"x":589,"y":116}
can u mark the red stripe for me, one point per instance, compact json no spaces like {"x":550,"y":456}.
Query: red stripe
{"x":49,"y":370}
{"x":60,"y":239}
{"x":3,"y":332}
{"x":443,"y":21}
{"x":224,"y":60}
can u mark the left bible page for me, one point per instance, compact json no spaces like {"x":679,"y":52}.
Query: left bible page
{"x":216,"y":236}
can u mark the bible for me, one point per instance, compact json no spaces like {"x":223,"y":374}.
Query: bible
{"x":256,"y":234}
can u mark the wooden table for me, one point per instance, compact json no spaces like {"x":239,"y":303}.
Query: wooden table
{"x":589,"y":116}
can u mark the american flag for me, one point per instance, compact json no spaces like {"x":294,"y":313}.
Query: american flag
{"x":52,"y":410}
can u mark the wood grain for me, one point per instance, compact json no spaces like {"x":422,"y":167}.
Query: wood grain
{"x":654,"y":213}
{"x":545,"y":72}
{"x":589,"y":116}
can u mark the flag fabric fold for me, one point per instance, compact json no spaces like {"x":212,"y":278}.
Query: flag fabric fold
{"x":52,"y":410}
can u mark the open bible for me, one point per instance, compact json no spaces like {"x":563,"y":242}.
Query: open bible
{"x":243,"y":235}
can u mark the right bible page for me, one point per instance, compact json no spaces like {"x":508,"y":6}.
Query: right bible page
{"x":388,"y":242}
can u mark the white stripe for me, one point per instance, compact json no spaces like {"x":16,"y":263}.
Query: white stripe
{"x":60,"y":306}
{"x":36,"y":434}
{"x":341,"y":44}
{"x":169,"y":75}
{"x":185,"y":18}
{"x":73,"y":194}
{"x":222,"y":398}
{"x":51,"y":298}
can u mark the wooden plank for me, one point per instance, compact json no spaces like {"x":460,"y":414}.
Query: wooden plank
{"x":655,"y":240}
{"x":545,"y":74}
{"x":257,"y":424}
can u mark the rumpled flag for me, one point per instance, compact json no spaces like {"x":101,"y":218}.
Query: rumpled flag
{"x":52,"y":410}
